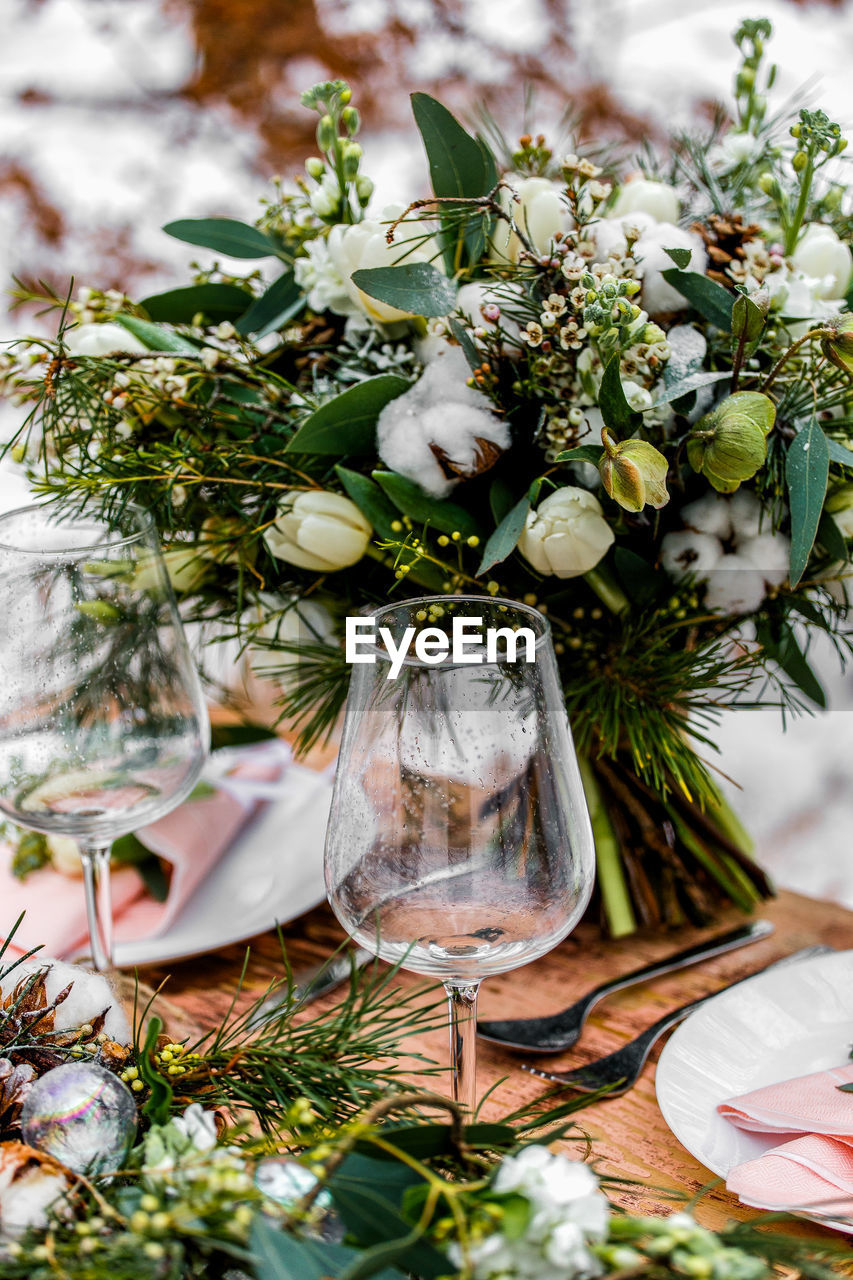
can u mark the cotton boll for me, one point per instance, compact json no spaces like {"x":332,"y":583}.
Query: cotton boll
{"x":404,"y":438}
{"x":685,"y":552}
{"x":658,"y":296}
{"x":609,"y":233}
{"x":30,"y":1183}
{"x":89,"y":996}
{"x":709,"y":514}
{"x":734,"y":586}
{"x":745,"y":511}
{"x":445,"y":379}
{"x":770,"y":553}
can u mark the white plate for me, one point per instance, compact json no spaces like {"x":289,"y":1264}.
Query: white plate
{"x":783,"y":1023}
{"x":272,"y":873}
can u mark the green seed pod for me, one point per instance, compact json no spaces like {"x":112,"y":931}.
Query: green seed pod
{"x":633,"y":473}
{"x":729,"y":444}
{"x":314,"y":167}
{"x":326,"y":133}
{"x":839,"y":347}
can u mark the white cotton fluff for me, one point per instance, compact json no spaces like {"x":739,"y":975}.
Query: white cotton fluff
{"x":734,"y":585}
{"x":26,"y":1197}
{"x":439,"y":409}
{"x":709,"y":514}
{"x":89,"y":996}
{"x":745,"y":511}
{"x":770,"y":554}
{"x":686,"y":552}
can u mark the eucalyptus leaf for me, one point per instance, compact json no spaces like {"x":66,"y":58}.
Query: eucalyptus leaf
{"x":459,"y":165}
{"x":615,"y":410}
{"x":155,"y":338}
{"x":347,"y":424}
{"x":839,"y":453}
{"x":418,"y":288}
{"x":370,"y":500}
{"x":279,"y":304}
{"x":505,"y":537}
{"x":410,"y":499}
{"x":807,"y":475}
{"x":215,"y":302}
{"x":710,"y":299}
{"x":224,"y":235}
{"x":681,"y":257}
{"x":832,"y":539}
{"x":469,"y":350}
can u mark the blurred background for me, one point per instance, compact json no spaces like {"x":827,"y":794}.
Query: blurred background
{"x":120,"y":115}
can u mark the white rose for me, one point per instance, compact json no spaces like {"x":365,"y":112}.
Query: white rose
{"x":101,"y":340}
{"x":567,"y":534}
{"x":365,"y":245}
{"x":318,"y":530}
{"x":827,"y":259}
{"x":538,"y":209}
{"x":291,"y":622}
{"x":641,"y":195}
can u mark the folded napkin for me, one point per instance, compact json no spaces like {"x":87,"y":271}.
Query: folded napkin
{"x":192,"y":839}
{"x":812,"y":1171}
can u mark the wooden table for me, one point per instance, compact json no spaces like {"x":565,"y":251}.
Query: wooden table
{"x":629,"y":1134}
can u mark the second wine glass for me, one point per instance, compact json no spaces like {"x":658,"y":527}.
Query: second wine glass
{"x":459,"y":842}
{"x":103,"y":726}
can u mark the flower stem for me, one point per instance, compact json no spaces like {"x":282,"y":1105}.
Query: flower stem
{"x":608,"y":591}
{"x":615,"y":897}
{"x":792,"y":350}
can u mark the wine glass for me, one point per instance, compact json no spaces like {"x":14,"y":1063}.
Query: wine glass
{"x":103,"y":726}
{"x":459,"y":842}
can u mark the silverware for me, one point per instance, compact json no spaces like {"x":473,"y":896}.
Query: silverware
{"x":311,"y":983}
{"x":558,"y":1031}
{"x":618,"y":1072}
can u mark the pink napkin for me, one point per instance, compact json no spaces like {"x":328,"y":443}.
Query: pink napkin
{"x":813,"y":1171}
{"x":192,"y":838}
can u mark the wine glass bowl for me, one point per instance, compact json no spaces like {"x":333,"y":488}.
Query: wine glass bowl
{"x":103,"y":727}
{"x":459,"y":842}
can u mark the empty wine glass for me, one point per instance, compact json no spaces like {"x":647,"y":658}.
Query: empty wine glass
{"x":459,"y":842}
{"x":103,"y":726}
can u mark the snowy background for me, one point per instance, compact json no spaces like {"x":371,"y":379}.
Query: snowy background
{"x":119,"y":115}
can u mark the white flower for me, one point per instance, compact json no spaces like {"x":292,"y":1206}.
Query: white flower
{"x":439,"y":413}
{"x":658,"y":297}
{"x":567,"y":534}
{"x":641,"y":195}
{"x":89,"y":997}
{"x":198,"y":1125}
{"x":30,"y":1185}
{"x":186,"y":568}
{"x":537,"y":208}
{"x":821,"y":255}
{"x":735,"y":149}
{"x":365,"y":245}
{"x":101,"y":340}
{"x":840,"y":507}
{"x":318,"y":276}
{"x":318,"y":530}
{"x":293,"y":621}
{"x":326,"y":198}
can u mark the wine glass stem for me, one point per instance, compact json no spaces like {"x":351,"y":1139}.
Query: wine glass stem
{"x":99,"y":908}
{"x":462,"y":1002}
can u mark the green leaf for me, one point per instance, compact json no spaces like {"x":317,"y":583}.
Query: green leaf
{"x":839,"y":453}
{"x":683,"y":387}
{"x":831,"y":538}
{"x":224,"y":235}
{"x":410,"y":499}
{"x":784,"y":649}
{"x":372,"y":1219}
{"x":155,"y":338}
{"x":416,"y":287}
{"x":239,"y":735}
{"x":459,"y":165}
{"x":581,"y":453}
{"x":707,"y":297}
{"x":279,"y":304}
{"x":807,"y":475}
{"x":469,"y":350}
{"x":681,"y":257}
{"x":369,"y":499}
{"x":425,"y":1141}
{"x":637,"y":576}
{"x":347,"y":424}
{"x":615,"y":410}
{"x":747,"y":319}
{"x":158,"y":1105}
{"x":215,"y":302}
{"x":503,"y":540}
{"x":280,"y":1256}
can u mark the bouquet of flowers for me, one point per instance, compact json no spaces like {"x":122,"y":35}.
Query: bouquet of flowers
{"x":624,"y":398}
{"x":126,"y":1153}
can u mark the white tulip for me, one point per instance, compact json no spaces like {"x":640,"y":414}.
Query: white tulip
{"x":538,"y":209}
{"x":567,"y":534}
{"x":185,"y":565}
{"x":821,"y":255}
{"x":101,"y":340}
{"x":658,"y":199}
{"x":318,"y":530}
{"x":365,"y":245}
